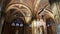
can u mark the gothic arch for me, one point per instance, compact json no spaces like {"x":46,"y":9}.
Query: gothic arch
{"x":47,"y":14}
{"x":17,"y":8}
{"x":26,"y":12}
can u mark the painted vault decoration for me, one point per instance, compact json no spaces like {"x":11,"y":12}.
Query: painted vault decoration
{"x":28,"y":17}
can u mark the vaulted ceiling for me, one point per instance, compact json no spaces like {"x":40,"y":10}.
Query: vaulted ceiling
{"x":29,"y":7}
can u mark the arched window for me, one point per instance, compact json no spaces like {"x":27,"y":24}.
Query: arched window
{"x":17,"y":22}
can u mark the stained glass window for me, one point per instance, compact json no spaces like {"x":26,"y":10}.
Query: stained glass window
{"x":21,"y":25}
{"x":13,"y":24}
{"x":17,"y":22}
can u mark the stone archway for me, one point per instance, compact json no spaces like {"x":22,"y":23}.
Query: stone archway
{"x":25,"y":10}
{"x":48,"y":17}
{"x":17,"y":11}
